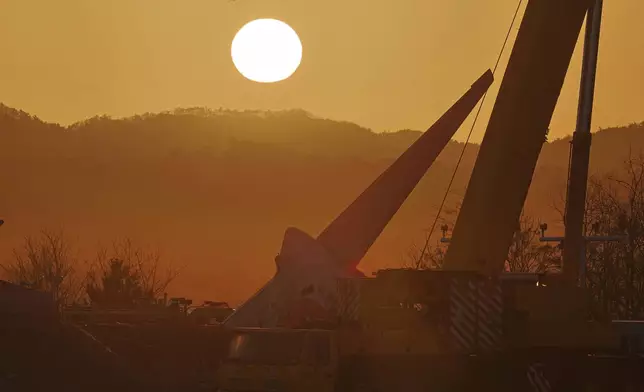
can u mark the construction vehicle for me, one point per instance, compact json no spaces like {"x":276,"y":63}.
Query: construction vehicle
{"x":289,"y":312}
{"x":511,"y":145}
{"x":307,"y":268}
{"x":471,"y":320}
{"x":280,"y":359}
{"x":441,"y":331}
{"x":263,"y":359}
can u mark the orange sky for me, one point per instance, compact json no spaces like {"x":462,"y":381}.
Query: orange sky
{"x":385,"y":64}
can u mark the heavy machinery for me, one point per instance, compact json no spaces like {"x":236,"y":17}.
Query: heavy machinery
{"x":439,"y":331}
{"x":308,"y":268}
{"x":270,"y":350}
{"x":471,"y":321}
{"x":280,"y":359}
{"x":511,"y":145}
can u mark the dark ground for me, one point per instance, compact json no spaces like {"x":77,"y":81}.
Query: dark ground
{"x":39,"y":351}
{"x":63,"y":357}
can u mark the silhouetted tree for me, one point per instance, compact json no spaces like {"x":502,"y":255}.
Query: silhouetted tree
{"x":615,"y":270}
{"x":527,"y":253}
{"x":429,"y":257}
{"x":129,"y":277}
{"x":119,"y":287}
{"x":46,"y":263}
{"x":432,"y":252}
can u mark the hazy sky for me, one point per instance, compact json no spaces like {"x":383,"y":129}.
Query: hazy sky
{"x":384,"y":64}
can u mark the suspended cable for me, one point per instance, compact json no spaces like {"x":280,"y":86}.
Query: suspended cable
{"x":469,"y":135}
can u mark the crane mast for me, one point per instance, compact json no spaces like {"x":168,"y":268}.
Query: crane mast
{"x":575,"y":246}
{"x":515,"y":134}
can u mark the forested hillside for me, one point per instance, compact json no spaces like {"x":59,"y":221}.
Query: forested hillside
{"x":214,"y":190}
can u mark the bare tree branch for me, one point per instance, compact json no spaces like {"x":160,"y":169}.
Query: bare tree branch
{"x":46,"y":263}
{"x":129,"y":275}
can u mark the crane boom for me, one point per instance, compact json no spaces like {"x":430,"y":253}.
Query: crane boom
{"x":351,"y":234}
{"x":308,"y":268}
{"x":515,"y":134}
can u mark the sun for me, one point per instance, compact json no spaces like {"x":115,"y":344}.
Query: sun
{"x":266,"y":51}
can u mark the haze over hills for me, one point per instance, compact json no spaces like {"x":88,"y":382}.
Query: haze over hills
{"x":215,"y":189}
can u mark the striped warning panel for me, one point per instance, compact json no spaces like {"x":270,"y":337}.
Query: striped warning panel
{"x":537,"y":378}
{"x":490,"y":313}
{"x":476,"y":310}
{"x":463,"y":315}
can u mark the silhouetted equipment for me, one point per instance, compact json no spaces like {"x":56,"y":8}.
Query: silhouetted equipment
{"x":351,"y":234}
{"x":515,"y":134}
{"x":418,"y":330}
{"x":304,"y":261}
{"x":574,"y":271}
{"x":492,"y":329}
{"x":470,"y":324}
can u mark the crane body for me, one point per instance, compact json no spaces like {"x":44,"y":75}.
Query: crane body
{"x":308,"y":268}
{"x":471,"y":325}
{"x":515,"y":133}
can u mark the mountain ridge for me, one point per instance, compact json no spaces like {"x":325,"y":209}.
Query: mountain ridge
{"x":203,"y":184}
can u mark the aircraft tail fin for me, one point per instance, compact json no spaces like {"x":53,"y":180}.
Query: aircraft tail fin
{"x":351,"y":234}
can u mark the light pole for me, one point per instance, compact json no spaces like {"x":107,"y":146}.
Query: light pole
{"x":586,"y":239}
{"x":582,"y":256}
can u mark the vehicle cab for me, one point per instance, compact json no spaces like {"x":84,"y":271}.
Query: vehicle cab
{"x":262,"y":359}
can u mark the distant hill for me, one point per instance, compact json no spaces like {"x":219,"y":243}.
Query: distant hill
{"x":216,"y":189}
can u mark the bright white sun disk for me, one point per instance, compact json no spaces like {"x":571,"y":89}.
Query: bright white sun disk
{"x":266,"y":51}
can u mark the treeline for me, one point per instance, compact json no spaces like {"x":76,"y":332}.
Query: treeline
{"x":129,"y":276}
{"x":207,"y":183}
{"x":615,"y":269}
{"x":126,"y":276}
